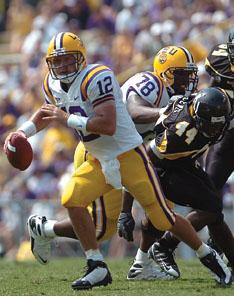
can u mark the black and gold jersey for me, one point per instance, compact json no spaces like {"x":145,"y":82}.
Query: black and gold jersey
{"x":177,"y":145}
{"x":177,"y":136}
{"x":218,"y":65}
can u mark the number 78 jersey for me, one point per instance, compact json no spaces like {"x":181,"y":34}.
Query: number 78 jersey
{"x":150,"y":88}
{"x":95,"y":85}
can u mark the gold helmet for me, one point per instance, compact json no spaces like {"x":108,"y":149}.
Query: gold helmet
{"x":66,"y":56}
{"x":176,"y":67}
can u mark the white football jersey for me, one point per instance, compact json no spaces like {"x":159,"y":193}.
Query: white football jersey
{"x":150,"y":88}
{"x":95,"y":85}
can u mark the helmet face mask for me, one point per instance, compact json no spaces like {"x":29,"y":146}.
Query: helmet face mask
{"x":212,"y":112}
{"x":185,"y":80}
{"x":177,"y":69}
{"x":65,"y":67}
{"x":210,"y":129}
{"x":66,"y":57}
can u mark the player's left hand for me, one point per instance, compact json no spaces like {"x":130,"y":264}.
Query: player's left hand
{"x":125,"y":226}
{"x":8,"y":139}
{"x":52,"y":113}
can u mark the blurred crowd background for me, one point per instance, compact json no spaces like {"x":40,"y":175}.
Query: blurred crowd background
{"x":122,"y":34}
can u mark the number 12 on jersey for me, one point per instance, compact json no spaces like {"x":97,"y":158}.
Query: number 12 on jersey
{"x":105,"y":86}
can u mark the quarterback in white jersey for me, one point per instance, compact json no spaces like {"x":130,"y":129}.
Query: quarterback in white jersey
{"x":95,"y":85}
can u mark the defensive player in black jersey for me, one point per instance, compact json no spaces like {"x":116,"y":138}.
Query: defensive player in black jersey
{"x":184,"y":132}
{"x":219,"y":161}
{"x":220,"y":66}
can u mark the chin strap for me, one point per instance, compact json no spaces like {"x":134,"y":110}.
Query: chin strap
{"x":68,"y":79}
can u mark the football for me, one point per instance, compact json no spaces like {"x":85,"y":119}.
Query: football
{"x":19,"y":152}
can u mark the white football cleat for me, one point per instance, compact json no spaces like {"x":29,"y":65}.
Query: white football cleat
{"x":147,"y":270}
{"x":165,"y":259}
{"x":40,"y":244}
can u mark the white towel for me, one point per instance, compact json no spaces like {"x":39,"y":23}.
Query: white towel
{"x":110,"y":169}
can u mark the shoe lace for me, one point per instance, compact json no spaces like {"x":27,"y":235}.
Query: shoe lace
{"x":167,"y":255}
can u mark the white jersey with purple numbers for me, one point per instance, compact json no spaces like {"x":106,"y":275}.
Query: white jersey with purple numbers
{"x":151,"y":89}
{"x":95,"y":85}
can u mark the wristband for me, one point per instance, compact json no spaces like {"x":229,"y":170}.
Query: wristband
{"x":77,"y":122}
{"x":29,"y":128}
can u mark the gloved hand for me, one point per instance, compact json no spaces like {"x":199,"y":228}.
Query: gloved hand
{"x":125,"y":226}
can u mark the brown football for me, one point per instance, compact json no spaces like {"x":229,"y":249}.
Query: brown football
{"x":19,"y":152}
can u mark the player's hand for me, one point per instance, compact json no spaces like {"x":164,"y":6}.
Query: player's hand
{"x":125,"y":226}
{"x":52,"y":113}
{"x":8,"y":138}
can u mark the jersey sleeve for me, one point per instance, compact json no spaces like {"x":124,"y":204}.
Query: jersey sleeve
{"x":146,"y":85}
{"x":49,"y":98}
{"x":98,"y":85}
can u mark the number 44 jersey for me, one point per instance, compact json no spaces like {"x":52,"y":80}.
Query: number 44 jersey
{"x":177,"y":136}
{"x":95,"y":85}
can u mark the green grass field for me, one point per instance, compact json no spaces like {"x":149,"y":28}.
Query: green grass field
{"x":30,"y":278}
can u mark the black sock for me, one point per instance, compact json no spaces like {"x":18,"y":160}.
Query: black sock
{"x":168,"y":241}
